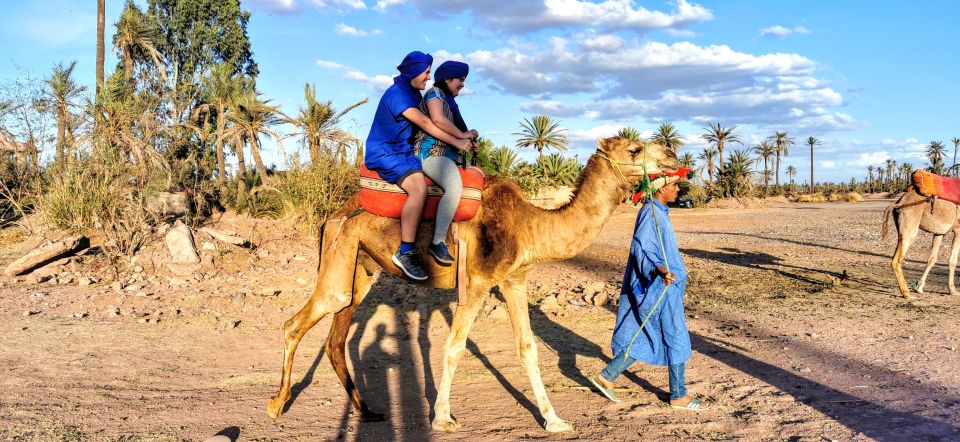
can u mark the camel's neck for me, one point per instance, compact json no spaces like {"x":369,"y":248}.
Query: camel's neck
{"x":562,"y":233}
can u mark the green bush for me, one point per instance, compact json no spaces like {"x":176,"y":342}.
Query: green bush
{"x":309,"y":193}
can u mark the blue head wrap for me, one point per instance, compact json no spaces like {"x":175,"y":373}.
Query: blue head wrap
{"x":412,"y":65}
{"x":453,"y":69}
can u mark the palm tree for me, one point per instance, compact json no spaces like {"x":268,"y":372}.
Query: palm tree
{"x":708,"y":155}
{"x":935,"y":153}
{"x":737,"y":173}
{"x":667,"y":136}
{"x":630,"y":133}
{"x":503,"y":160}
{"x":101,"y":7}
{"x":891,"y":177}
{"x":782,"y":144}
{"x":718,"y":137}
{"x":811,"y":141}
{"x":317,"y":123}
{"x":136,"y":37}
{"x":870,"y":178}
{"x":251,"y":118}
{"x":791,"y":173}
{"x":687,"y":160}
{"x":905,"y":170}
{"x":223,"y":88}
{"x":765,"y":150}
{"x":559,"y":169}
{"x":62,"y":91}
{"x":956,"y":143}
{"x":541,"y":132}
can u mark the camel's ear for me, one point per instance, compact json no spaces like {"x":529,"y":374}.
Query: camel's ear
{"x":608,"y":145}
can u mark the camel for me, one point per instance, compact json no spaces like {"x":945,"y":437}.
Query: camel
{"x":914,"y":212}
{"x":504,"y":241}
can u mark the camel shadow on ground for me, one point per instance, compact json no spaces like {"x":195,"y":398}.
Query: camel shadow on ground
{"x":402,"y":383}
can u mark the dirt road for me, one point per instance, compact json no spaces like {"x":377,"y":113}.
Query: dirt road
{"x":797,"y":330}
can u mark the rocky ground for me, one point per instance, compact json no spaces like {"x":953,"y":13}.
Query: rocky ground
{"x":797,"y":329}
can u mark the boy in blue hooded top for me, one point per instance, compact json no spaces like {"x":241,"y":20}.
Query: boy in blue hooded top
{"x":390,"y":154}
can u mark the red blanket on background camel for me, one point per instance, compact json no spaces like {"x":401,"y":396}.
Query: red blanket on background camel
{"x":928,"y":184}
{"x":382,"y":198}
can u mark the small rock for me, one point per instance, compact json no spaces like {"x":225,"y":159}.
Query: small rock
{"x":142,"y":320}
{"x":600,"y":299}
{"x":952,"y":348}
{"x":574,"y":303}
{"x":594,"y":287}
{"x":143,"y":294}
{"x":301,"y":281}
{"x":207,"y":245}
{"x":85,"y":281}
{"x":549,"y":304}
{"x":270,"y":291}
{"x":112,"y":311}
{"x":133,"y":288}
{"x":238,"y":298}
{"x":29,"y":312}
{"x":63,"y":280}
{"x":235,"y":323}
{"x":138,"y":269}
{"x":499,"y":313}
{"x":40,"y":279}
{"x":813,"y":335}
{"x":910,"y":337}
{"x":803,"y":369}
{"x":79,"y":315}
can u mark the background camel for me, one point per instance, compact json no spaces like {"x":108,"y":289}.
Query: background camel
{"x":914,"y":212}
{"x":503,"y":242}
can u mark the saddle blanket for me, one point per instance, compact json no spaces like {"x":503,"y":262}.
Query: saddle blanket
{"x":928,"y":184}
{"x":384,"y":199}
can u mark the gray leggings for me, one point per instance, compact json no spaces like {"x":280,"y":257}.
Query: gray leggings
{"x":443,"y":171}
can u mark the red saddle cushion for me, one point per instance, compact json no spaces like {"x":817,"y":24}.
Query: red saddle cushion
{"x":929,"y":184}
{"x":382,"y":198}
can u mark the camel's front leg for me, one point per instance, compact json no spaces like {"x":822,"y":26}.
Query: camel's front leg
{"x":954,"y":250}
{"x":515,"y":295}
{"x":463,"y":319}
{"x":931,"y":261}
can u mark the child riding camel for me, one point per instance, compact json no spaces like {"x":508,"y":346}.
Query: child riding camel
{"x":440,"y":159}
{"x":390,"y":154}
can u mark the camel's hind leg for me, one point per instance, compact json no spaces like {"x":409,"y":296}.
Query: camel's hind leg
{"x":338,"y":258}
{"x":337,"y":339}
{"x":908,"y":225}
{"x":515,"y":295}
{"x":463,"y":319}
{"x":931,"y":261}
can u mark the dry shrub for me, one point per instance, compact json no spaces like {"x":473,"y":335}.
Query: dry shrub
{"x":834,"y":197}
{"x":308,"y":193}
{"x":99,"y":196}
{"x":815,"y":198}
{"x":853,"y":197}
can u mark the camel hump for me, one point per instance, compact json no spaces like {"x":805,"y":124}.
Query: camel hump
{"x":929,"y":184}
{"x":385,"y":199}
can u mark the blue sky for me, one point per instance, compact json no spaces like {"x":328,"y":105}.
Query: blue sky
{"x":871,"y":80}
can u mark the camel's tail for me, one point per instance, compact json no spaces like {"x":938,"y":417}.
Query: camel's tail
{"x":886,"y":220}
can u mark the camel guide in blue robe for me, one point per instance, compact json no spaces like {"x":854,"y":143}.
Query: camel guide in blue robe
{"x":390,"y":153}
{"x":653,"y":269}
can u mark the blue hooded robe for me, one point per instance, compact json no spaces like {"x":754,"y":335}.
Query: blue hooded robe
{"x":389,"y":151}
{"x":664,"y":340}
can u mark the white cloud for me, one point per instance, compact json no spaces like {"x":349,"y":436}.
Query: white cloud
{"x":376,"y":82}
{"x":383,"y":5}
{"x":828,"y":164}
{"x":778,"y":31}
{"x":523,"y":16}
{"x":279,"y":6}
{"x":601,"y":131}
{"x":339,"y":4}
{"x":350,"y":31}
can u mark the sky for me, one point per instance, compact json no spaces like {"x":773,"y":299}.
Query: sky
{"x":871,"y":80}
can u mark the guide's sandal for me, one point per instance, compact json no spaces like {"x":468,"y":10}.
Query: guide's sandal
{"x":608,"y":392}
{"x":695,"y":404}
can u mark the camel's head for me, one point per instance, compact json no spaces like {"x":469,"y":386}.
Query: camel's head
{"x":635,"y":157}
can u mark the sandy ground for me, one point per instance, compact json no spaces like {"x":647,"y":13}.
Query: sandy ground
{"x":797,"y":333}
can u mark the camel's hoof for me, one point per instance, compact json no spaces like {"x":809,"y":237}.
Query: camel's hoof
{"x":954,"y":293}
{"x":918,"y":289}
{"x":275,"y":407}
{"x":558,"y":426}
{"x":370,"y":416}
{"x":445,"y":424}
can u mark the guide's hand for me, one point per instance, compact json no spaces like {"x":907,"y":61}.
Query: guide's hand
{"x":473,"y":134}
{"x":463,"y":145}
{"x":668,"y":277}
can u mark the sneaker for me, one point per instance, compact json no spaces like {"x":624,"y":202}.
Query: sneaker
{"x":409,"y":263}
{"x":440,"y":253}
